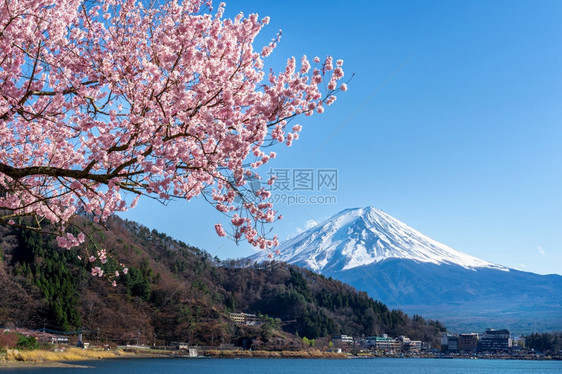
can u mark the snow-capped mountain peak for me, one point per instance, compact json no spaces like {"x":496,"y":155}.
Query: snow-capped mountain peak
{"x":363,"y":236}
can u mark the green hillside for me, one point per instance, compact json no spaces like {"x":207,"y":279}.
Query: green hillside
{"x":175,"y":292}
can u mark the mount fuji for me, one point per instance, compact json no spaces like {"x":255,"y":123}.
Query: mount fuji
{"x":405,"y":269}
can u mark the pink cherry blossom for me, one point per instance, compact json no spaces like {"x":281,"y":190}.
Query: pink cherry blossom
{"x":170,"y":102}
{"x":97,"y":271}
{"x":102,"y":256}
{"x":220,"y":230}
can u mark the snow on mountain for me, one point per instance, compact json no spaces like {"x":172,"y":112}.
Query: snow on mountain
{"x":397,"y":265}
{"x":363,"y":236}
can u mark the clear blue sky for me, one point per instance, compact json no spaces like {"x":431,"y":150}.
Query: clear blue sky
{"x":463,"y":143}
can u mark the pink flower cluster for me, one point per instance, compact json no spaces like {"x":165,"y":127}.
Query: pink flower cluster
{"x":98,"y":271}
{"x":169,"y":102}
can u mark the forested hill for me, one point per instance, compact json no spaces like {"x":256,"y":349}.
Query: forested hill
{"x":175,"y":292}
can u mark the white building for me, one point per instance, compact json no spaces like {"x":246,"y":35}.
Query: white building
{"x":59,"y":339}
{"x":344,"y":339}
{"x":245,"y":319}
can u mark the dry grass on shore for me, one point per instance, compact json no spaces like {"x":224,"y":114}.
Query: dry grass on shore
{"x":71,"y":354}
{"x":38,"y":357}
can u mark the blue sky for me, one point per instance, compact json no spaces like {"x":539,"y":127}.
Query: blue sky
{"x":452,"y":124}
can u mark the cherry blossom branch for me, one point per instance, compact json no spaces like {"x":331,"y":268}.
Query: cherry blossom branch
{"x":166,"y":101}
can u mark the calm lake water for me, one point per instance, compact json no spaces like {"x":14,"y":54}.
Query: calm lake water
{"x":290,"y":366}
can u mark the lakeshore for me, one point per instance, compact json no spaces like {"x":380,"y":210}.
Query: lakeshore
{"x":46,"y":358}
{"x":70,"y":357}
{"x":295,"y":366}
{"x":48,"y":364}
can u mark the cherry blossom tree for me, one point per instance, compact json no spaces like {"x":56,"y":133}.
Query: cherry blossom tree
{"x":103,"y":102}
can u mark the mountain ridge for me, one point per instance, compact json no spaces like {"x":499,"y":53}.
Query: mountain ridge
{"x":362,"y":236}
{"x":405,"y":269}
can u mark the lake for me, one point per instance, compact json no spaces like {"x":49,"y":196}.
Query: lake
{"x":300,"y":366}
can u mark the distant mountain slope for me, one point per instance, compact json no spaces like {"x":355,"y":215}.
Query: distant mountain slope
{"x":398,"y":265}
{"x":463,"y":298}
{"x":175,"y":292}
